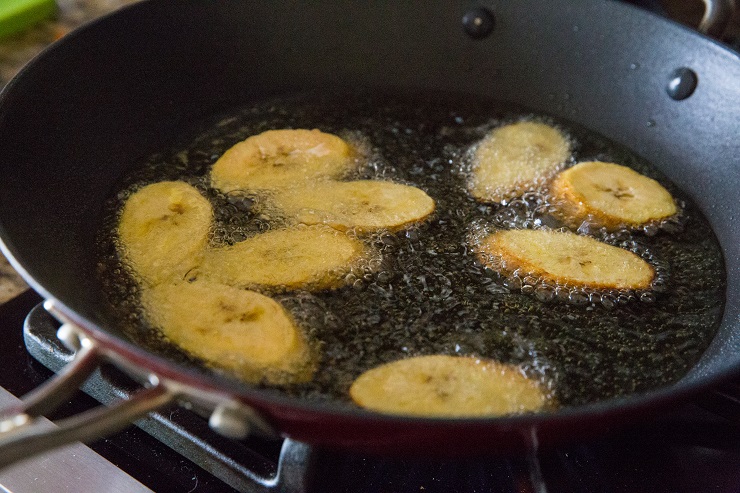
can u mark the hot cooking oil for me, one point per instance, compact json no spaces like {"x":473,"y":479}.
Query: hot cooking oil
{"x":423,"y":291}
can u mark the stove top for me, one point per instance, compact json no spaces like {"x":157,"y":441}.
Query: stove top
{"x":695,"y":447}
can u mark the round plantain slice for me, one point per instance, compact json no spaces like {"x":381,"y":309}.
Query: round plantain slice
{"x":516,"y":157}
{"x":277,"y":158}
{"x":163,"y":230}
{"x":243,"y":332}
{"x":565,"y":258}
{"x":447,"y":386}
{"x":315,"y":258}
{"x":364,"y":205}
{"x":610,"y":195}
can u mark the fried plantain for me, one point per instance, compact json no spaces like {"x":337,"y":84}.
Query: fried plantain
{"x":448,"y":386}
{"x":315,"y":258}
{"x":163,"y":230}
{"x":609,"y":195}
{"x":277,"y":158}
{"x":565,"y":258}
{"x":515,"y":158}
{"x":363,"y":206}
{"x":242,"y":332}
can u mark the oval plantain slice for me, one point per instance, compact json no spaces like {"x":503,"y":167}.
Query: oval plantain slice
{"x":163,"y":230}
{"x":243,"y":332}
{"x":447,"y":386}
{"x":364,"y":205}
{"x":610,"y":195}
{"x":315,"y":258}
{"x":565,"y":258}
{"x":277,"y":158}
{"x":516,"y":157}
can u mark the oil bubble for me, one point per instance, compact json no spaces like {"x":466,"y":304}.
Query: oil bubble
{"x":578,"y":298}
{"x":527,"y":289}
{"x":513,"y":282}
{"x":647,"y":297}
{"x":659,"y":286}
{"x":544,"y":293}
{"x":608,"y":301}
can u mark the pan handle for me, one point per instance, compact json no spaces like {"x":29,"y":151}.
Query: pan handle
{"x":717,"y":14}
{"x":23,"y":435}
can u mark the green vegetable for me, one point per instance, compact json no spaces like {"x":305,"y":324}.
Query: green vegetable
{"x":17,"y":15}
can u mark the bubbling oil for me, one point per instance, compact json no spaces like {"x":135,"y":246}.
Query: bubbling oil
{"x":424,"y":291}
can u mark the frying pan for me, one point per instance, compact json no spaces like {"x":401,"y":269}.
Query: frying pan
{"x":80,"y":115}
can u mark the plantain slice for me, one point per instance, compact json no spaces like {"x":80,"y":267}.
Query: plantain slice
{"x":364,"y":205}
{"x":565,"y":258}
{"x":447,"y":386}
{"x":516,"y":157}
{"x":315,"y":258}
{"x":164,"y":230}
{"x":610,"y":195}
{"x":243,"y":332}
{"x":277,"y":158}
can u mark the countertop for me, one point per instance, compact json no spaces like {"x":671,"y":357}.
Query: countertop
{"x":16,"y":50}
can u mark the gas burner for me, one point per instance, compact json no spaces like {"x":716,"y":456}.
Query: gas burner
{"x":695,"y":447}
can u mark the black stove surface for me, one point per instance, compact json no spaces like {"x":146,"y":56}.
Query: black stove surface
{"x":694,"y":448}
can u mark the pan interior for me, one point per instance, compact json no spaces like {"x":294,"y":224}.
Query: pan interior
{"x":430,"y":294}
{"x":93,"y":106}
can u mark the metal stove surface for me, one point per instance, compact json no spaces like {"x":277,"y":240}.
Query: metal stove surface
{"x":695,"y":448}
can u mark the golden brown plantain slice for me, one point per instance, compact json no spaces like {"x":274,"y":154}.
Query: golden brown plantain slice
{"x":315,"y":258}
{"x":277,"y":158}
{"x":243,"y":332}
{"x":566,"y":258}
{"x":364,"y":205}
{"x":163,"y":230}
{"x":516,"y":157}
{"x":447,"y":386}
{"x":610,"y":195}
